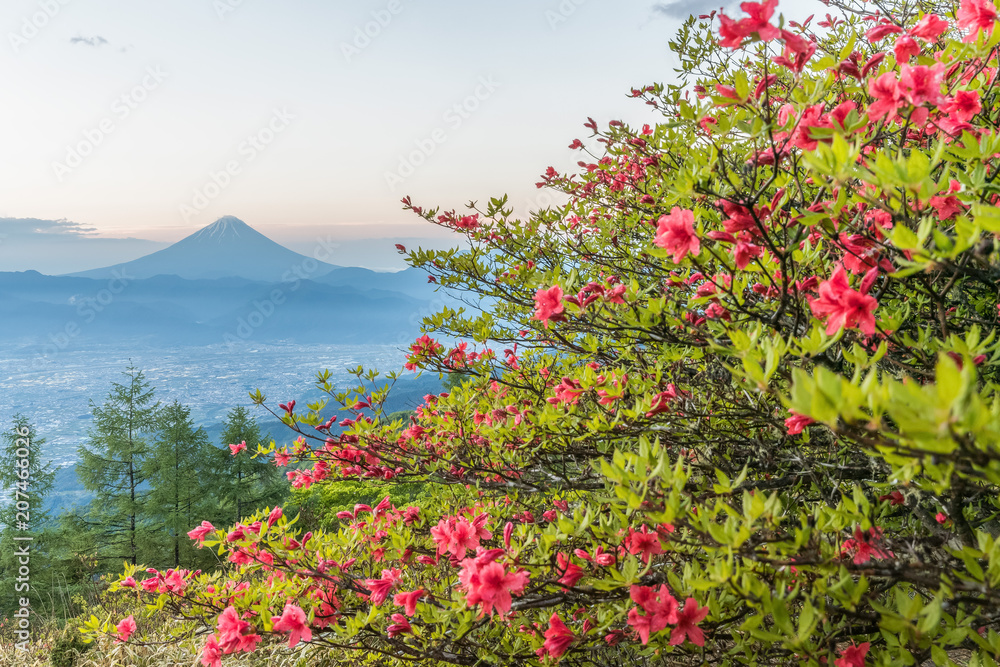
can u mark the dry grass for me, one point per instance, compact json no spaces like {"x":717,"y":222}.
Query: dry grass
{"x":186,"y":654}
{"x":109,"y":654}
{"x":48,"y":633}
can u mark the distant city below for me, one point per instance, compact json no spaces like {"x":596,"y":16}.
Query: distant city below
{"x":222,"y":312}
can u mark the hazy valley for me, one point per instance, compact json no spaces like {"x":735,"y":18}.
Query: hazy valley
{"x":203,"y":339}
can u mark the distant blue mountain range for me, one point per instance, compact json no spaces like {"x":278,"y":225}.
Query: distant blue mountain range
{"x":227,"y":282}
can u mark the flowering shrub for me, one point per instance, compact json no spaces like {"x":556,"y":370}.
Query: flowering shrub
{"x":746,"y":408}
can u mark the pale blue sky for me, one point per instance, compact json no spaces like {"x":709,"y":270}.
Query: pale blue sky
{"x":221,"y":69}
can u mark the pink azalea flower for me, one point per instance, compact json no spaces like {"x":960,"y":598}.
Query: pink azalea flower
{"x":236,"y":534}
{"x":659,"y":610}
{"x":557,"y":638}
{"x":125,"y":629}
{"x":796,"y":423}
{"x":745,"y":252}
{"x":661,"y":402}
{"x":964,"y":105}
{"x":457,"y":536}
{"x":488,"y":584}
{"x":675,"y":233}
{"x":798,"y":51}
{"x":840,"y":113}
{"x":882,"y":31}
{"x":380,"y":588}
{"x":548,"y":303}
{"x":211,"y":654}
{"x":687,"y":624}
{"x":293,"y":621}
{"x":758,"y":21}
{"x":812,"y":116}
{"x":976,"y":15}
{"x":888,"y":98}
{"x":572,"y":572}
{"x":603,"y":559}
{"x":842,"y":306}
{"x":248,"y":643}
{"x":643,"y":543}
{"x":400,"y":625}
{"x":614,"y":295}
{"x":894,"y":498}
{"x":731,"y":32}
{"x":273,"y":517}
{"x":929,"y":28}
{"x":860,"y":253}
{"x":236,"y":449}
{"x":865,"y":546}
{"x":906,"y":47}
{"x":567,"y":391}
{"x":740,"y":217}
{"x":947,"y":205}
{"x":716,"y":311}
{"x":853,"y":656}
{"x":231,"y":628}
{"x":408,"y":601}
{"x":240,"y":557}
{"x":382,"y":507}
{"x":174,"y":582}
{"x":411,"y":515}
{"x":920,"y":84}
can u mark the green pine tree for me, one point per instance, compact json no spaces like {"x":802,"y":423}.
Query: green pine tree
{"x":245,"y":483}
{"x":23,"y":515}
{"x":112,"y":466}
{"x":74,"y":564}
{"x":179,"y":482}
{"x":34,"y":484}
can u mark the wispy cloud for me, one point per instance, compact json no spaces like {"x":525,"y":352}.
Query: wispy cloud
{"x":681,"y":9}
{"x":57,"y":247}
{"x":12,"y":228}
{"x":94,"y":41}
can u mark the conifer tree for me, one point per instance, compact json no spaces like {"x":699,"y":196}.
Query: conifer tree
{"x":179,"y":486}
{"x":22,"y":510}
{"x":112,"y":465}
{"x":73,"y":562}
{"x":245,"y":483}
{"x":40,"y":475}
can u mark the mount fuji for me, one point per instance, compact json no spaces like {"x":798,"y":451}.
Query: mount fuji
{"x":227,"y":248}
